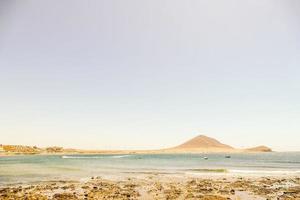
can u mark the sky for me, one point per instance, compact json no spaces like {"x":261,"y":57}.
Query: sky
{"x":146,"y":74}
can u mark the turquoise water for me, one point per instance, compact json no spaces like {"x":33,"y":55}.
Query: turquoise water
{"x":23,"y":169}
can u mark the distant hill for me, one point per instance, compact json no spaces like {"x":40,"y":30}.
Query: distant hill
{"x":259,"y":149}
{"x":203,"y":142}
{"x":198,"y":144}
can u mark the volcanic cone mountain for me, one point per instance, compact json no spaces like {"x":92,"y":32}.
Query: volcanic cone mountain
{"x":204,"y":142}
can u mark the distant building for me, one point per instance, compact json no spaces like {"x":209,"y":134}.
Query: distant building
{"x":1,"y":148}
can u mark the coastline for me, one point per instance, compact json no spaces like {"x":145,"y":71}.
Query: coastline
{"x":134,"y":152}
{"x":198,"y":144}
{"x":159,"y":186}
{"x":132,"y":175}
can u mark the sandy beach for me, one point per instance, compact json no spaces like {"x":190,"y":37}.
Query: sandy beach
{"x":159,"y":187}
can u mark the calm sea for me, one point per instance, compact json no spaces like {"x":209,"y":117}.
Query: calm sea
{"x":24,"y":169}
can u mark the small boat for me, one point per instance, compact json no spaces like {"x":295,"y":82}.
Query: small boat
{"x":227,"y":156}
{"x":205,"y":158}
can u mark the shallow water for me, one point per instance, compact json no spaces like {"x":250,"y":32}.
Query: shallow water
{"x":23,"y":169}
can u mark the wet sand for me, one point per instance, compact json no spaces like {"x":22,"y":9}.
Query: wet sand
{"x":159,"y":186}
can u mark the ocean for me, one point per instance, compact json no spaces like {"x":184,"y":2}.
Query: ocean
{"x":34,"y":168}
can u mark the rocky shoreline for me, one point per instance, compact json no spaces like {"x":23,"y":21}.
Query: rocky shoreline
{"x":159,"y":187}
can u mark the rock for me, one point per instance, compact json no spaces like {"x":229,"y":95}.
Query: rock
{"x":64,"y":196}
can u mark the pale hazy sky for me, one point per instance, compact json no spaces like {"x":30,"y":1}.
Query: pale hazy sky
{"x":132,"y":74}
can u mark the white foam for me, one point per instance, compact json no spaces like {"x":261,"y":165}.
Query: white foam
{"x":81,"y":157}
{"x":94,"y":157}
{"x":120,"y":156}
{"x":237,"y":171}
